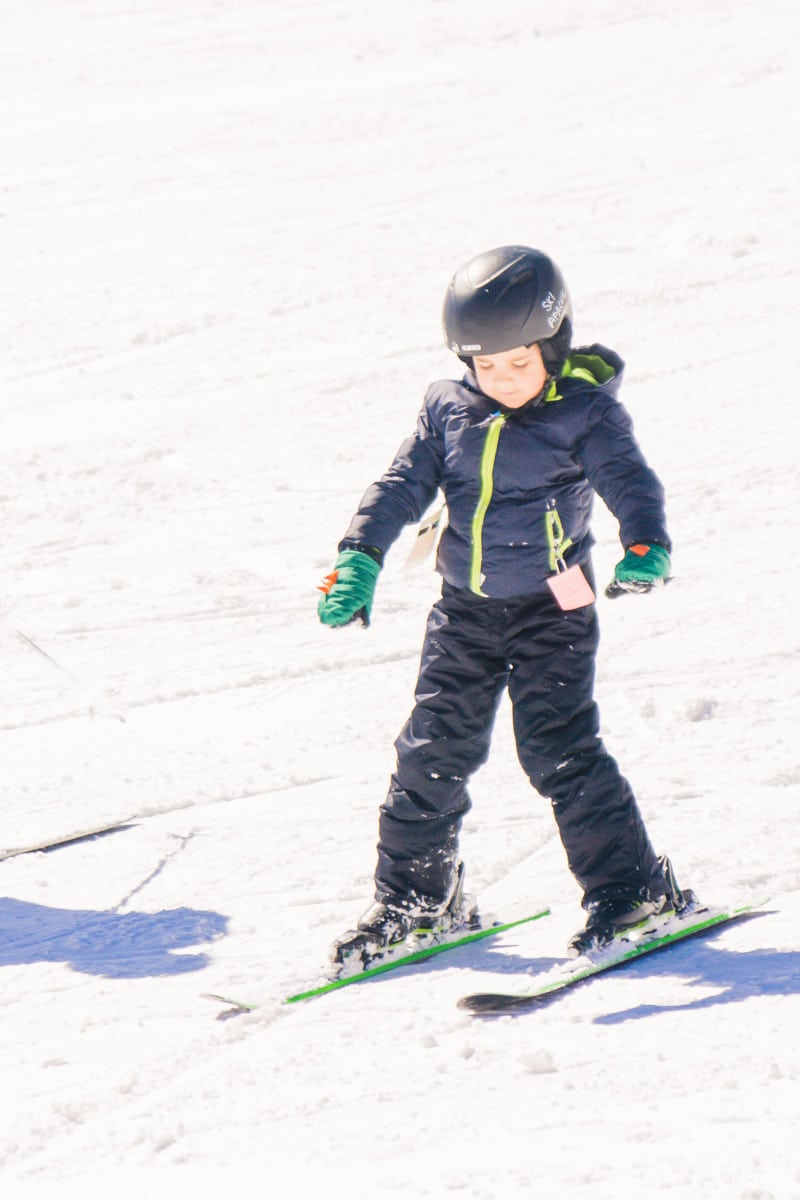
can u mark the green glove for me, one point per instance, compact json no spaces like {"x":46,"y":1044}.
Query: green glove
{"x":642,"y":568}
{"x":348,"y":591}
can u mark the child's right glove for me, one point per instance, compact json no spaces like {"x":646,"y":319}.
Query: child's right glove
{"x":348,"y":591}
{"x":642,"y":568}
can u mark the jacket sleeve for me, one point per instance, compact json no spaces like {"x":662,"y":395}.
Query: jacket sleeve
{"x":617,"y":470}
{"x":401,"y":496}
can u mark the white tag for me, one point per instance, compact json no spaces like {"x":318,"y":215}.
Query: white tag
{"x":428,"y":535}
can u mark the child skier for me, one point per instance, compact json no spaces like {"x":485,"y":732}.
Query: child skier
{"x":518,"y":447}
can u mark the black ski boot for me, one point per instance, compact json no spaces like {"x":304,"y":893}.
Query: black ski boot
{"x":385,"y":927}
{"x":619,"y":908}
{"x":611,"y":910}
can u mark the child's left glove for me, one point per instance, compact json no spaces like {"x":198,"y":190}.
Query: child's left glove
{"x":642,"y":568}
{"x":348,"y":591}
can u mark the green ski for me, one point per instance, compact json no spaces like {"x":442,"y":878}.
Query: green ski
{"x":551,"y":984}
{"x":405,"y":958}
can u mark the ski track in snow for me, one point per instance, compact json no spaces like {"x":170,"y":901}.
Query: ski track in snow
{"x":226,"y":234}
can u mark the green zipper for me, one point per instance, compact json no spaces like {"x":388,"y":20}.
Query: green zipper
{"x":484,"y":499}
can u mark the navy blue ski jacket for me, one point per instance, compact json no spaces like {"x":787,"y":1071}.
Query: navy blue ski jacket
{"x":501,"y":469}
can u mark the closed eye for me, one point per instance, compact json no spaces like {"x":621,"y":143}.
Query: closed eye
{"x":518,"y":366}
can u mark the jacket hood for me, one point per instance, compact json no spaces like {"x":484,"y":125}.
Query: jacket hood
{"x":595,"y":365}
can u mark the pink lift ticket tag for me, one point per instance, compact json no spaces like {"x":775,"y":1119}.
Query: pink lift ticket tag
{"x":571,"y":588}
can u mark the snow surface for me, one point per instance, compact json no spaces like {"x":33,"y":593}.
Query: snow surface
{"x":226,"y":231}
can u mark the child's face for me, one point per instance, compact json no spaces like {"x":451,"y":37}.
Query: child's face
{"x":512,"y":377}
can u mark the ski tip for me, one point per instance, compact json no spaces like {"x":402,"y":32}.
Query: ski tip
{"x":471,"y":1004}
{"x":490,"y":1004}
{"x":235,"y":1008}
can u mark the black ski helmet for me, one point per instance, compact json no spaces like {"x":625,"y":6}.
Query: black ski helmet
{"x":508,"y":297}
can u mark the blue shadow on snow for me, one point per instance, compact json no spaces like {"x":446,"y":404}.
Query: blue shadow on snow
{"x":115,"y":945}
{"x":736,"y":976}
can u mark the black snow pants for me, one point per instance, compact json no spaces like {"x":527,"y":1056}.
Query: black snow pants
{"x":473,"y":649}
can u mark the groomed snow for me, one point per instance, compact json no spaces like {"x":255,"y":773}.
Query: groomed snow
{"x":226,"y":232}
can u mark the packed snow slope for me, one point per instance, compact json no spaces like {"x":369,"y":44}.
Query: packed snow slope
{"x":226,"y":233}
